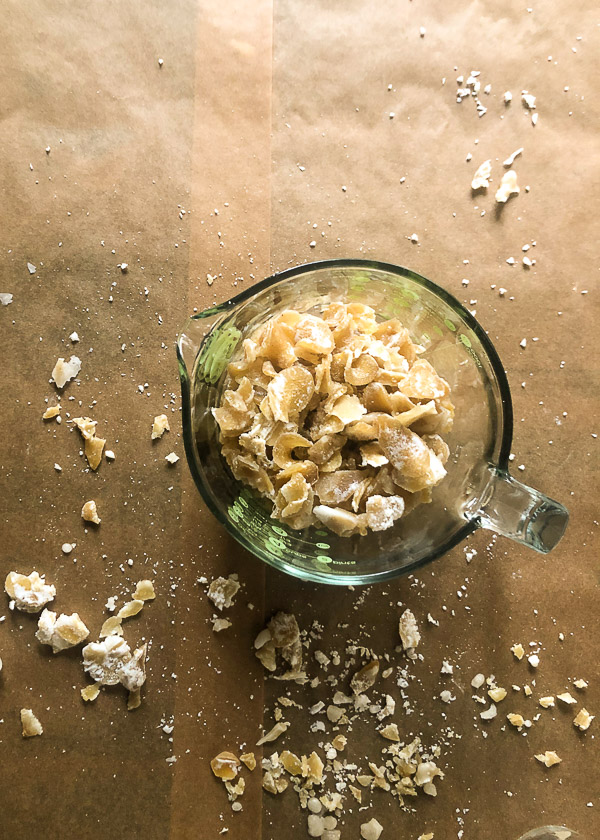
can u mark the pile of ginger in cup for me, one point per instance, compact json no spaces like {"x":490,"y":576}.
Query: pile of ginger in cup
{"x":335,"y":419}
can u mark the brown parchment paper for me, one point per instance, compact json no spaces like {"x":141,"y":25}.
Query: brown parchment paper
{"x":231,"y":159}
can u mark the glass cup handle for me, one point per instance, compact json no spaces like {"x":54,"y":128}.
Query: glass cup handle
{"x":521,"y":513}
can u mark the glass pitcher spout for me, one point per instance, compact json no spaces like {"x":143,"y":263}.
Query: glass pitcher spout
{"x":521,"y":513}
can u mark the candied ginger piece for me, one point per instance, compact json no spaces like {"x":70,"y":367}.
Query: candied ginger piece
{"x":283,"y":630}
{"x":383,"y":511}
{"x":313,"y":338}
{"x":372,"y":455}
{"x":362,"y":371}
{"x":423,"y":383}
{"x":276,"y":340}
{"x":342,"y":522}
{"x":439,"y":447}
{"x":413,"y":414}
{"x":348,"y":408}
{"x":89,"y":512}
{"x":334,"y":463}
{"x":323,"y":449}
{"x":284,"y":447}
{"x":225,"y":766}
{"x":404,"y":448}
{"x":290,"y":391}
{"x":86,"y":426}
{"x":339,"y":486}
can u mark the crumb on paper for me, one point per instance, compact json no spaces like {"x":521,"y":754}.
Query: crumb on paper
{"x":566,"y":697}
{"x":160,"y":425}
{"x":89,"y":512}
{"x":534,"y":660}
{"x":172,"y":458}
{"x":518,"y":650}
{"x":61,"y":632}
{"x":481,"y":178}
{"x":74,"y":337}
{"x":508,"y":186}
{"x":30,"y":593}
{"x":549,"y":758}
{"x":580,"y":684}
{"x":516,"y":720}
{"x":109,"y":455}
{"x":6,"y":298}
{"x":63,"y":371}
{"x":546,"y":702}
{"x":30,"y":724}
{"x":31,"y":268}
{"x":511,"y":158}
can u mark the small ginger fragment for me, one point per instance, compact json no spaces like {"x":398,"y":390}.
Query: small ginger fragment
{"x":219,"y":624}
{"x":223,"y":590}
{"x":51,"y":412}
{"x":89,"y":512}
{"x":567,"y":698}
{"x":111,"y":627}
{"x":274,"y":733}
{"x":160,"y":425}
{"x":583,"y":720}
{"x":291,"y":763}
{"x":508,"y":186}
{"x":144,"y":591}
{"x":249,"y":759}
{"x":409,"y":632}
{"x":516,"y":720}
{"x":365,"y":677}
{"x":134,"y":699}
{"x":391,"y":732}
{"x":371,"y":830}
{"x":129,"y":609}
{"x":225,"y":766}
{"x":63,"y":371}
{"x":30,"y":724}
{"x":481,"y":178}
{"x":580,"y":684}
{"x":90,"y":692}
{"x":497,"y":694}
{"x":29,"y":592}
{"x":61,"y":633}
{"x":93,"y":448}
{"x":518,"y":650}
{"x":527,"y":690}
{"x":86,"y":426}
{"x":339,"y":742}
{"x":549,"y":758}
{"x":546,"y":702}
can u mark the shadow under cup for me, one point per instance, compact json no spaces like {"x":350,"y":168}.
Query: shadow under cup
{"x":479,"y":442}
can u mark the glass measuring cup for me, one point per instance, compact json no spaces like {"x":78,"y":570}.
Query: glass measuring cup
{"x":478,"y":490}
